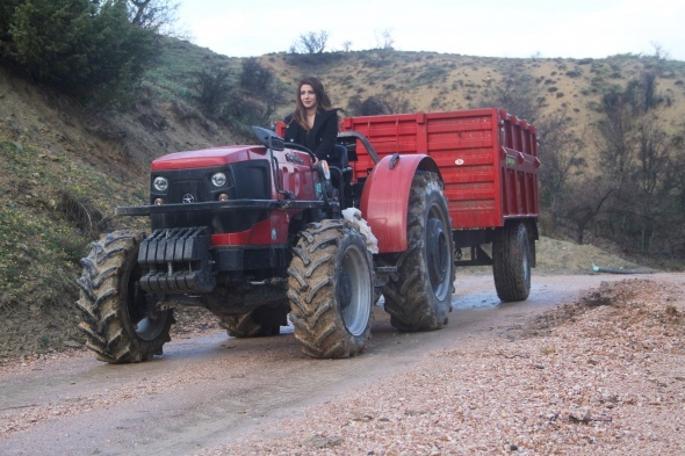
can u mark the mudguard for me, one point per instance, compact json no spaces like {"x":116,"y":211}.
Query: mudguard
{"x":385,"y":198}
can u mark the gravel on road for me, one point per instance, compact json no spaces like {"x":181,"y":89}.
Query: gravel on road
{"x":602,"y":375}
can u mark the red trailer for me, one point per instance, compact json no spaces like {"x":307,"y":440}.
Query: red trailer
{"x":488,"y":160}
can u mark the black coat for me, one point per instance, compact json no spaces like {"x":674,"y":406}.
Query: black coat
{"x":321,"y":138}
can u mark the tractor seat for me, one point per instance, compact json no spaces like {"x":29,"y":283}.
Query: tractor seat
{"x":338,"y":157}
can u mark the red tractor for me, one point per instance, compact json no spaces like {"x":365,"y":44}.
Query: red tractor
{"x":257,"y":233}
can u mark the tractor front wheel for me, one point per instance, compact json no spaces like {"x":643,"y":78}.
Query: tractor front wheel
{"x":331,"y":290}
{"x":120,"y":321}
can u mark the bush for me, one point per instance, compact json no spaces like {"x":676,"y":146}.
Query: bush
{"x":369,"y":107}
{"x":242,"y":111}
{"x":214,"y":87}
{"x":80,"y":46}
{"x":248,"y":99}
{"x":381,"y":104}
{"x":7,"y":8}
{"x":432,"y":73}
{"x":255,"y":77}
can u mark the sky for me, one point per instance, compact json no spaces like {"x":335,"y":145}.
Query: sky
{"x":512,"y":28}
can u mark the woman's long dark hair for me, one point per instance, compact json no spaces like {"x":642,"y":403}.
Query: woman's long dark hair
{"x":322,"y":100}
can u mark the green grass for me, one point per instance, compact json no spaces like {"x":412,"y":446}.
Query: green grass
{"x":41,"y":242}
{"x":38,"y":257}
{"x":175,"y":74}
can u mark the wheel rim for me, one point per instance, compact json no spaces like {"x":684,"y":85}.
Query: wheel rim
{"x":353,"y":289}
{"x":437,"y":253}
{"x":147,"y":322}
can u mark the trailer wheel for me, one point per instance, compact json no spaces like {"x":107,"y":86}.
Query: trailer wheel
{"x":330,"y":288}
{"x":120,"y":320}
{"x":511,"y":254}
{"x":262,"y":322}
{"x":419,"y":296}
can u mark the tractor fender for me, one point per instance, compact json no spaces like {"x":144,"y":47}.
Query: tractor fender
{"x":385,"y":198}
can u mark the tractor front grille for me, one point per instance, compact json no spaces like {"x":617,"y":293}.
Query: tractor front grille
{"x":249,"y":179}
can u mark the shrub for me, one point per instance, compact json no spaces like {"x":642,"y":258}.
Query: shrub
{"x":380,"y":104}
{"x":7,"y":8}
{"x":213,"y":87}
{"x":255,"y":77}
{"x":79,"y":45}
{"x":431,"y":73}
{"x":248,"y":99}
{"x":368,"y":107}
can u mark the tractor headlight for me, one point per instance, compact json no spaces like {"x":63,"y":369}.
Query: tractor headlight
{"x":161,"y":184}
{"x":218,"y":179}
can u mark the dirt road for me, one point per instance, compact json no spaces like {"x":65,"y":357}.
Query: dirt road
{"x":210,"y":391}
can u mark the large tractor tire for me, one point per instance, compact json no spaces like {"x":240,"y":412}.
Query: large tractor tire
{"x":511,"y":261}
{"x":264,"y":321}
{"x":120,"y":320}
{"x":419,"y":296}
{"x":330,"y":288}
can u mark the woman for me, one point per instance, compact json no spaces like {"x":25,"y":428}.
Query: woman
{"x":314,"y":123}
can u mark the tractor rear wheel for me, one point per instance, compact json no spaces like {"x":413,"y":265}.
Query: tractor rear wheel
{"x":511,"y":260}
{"x":120,"y":320}
{"x":330,"y":288}
{"x":419,"y":297}
{"x":262,"y":322}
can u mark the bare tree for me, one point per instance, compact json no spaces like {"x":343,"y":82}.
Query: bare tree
{"x":659,"y":57}
{"x":641,"y":162}
{"x":384,"y":40}
{"x":561,"y":152}
{"x":310,"y":43}
{"x":153,"y":14}
{"x":347,"y":46}
{"x":651,"y":179}
{"x":585,"y":203}
{"x":614,"y":129}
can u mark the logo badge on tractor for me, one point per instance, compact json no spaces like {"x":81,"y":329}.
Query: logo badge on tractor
{"x":188,"y":198}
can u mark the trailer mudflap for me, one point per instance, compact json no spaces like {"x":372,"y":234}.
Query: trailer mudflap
{"x":176,"y":260}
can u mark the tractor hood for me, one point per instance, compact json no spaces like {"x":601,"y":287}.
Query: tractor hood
{"x":208,"y":158}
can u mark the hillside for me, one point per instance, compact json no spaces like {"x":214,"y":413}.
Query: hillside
{"x":433,"y":81}
{"x":64,"y":169}
{"x":66,"y":166}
